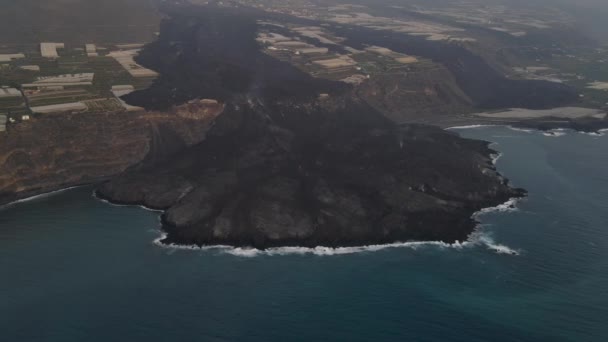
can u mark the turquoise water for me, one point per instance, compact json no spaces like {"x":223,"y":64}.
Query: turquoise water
{"x":76,"y":269}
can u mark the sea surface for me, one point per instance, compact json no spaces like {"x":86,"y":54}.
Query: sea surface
{"x":73,"y":268}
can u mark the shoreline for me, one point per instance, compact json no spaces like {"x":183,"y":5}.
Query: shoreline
{"x":552,"y":132}
{"x":476,"y":238}
{"x":473,"y":239}
{"x":96,"y":195}
{"x":42,"y":195}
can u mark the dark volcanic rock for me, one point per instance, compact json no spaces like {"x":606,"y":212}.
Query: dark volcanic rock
{"x":257,"y":181}
{"x":486,"y":87}
{"x":211,"y":51}
{"x":585,"y":124}
{"x":282,"y":167}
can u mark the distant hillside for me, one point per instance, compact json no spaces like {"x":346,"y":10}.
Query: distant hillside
{"x":77,"y":21}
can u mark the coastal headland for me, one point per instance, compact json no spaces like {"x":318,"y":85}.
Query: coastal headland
{"x":263,"y":129}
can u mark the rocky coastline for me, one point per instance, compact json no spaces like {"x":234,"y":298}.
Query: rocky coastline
{"x":285,"y":184}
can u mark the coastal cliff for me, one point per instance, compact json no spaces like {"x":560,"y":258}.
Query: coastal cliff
{"x":344,"y":176}
{"x":278,"y":158}
{"x":52,"y":152}
{"x":295,"y":160}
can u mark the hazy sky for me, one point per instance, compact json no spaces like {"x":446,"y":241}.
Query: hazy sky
{"x":592,"y":15}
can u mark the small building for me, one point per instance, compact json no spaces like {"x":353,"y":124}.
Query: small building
{"x":406,"y":60}
{"x":25,"y":117}
{"x":333,"y":63}
{"x":313,"y":51}
{"x":64,"y":107}
{"x":209,"y":102}
{"x":82,"y":79}
{"x":2,"y":122}
{"x":127,"y":60}
{"x":9,"y":92}
{"x":49,"y":50}
{"x":7,"y":58}
{"x":30,"y":67}
{"x":91,"y":50}
{"x":123,"y":87}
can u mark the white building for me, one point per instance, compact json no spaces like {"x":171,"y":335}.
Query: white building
{"x":49,"y":50}
{"x":83,"y":79}
{"x":126,"y":59}
{"x":64,"y":107}
{"x":91,"y":50}
{"x":7,"y":58}
{"x":9,"y":92}
{"x":2,"y":122}
{"x":30,"y":67}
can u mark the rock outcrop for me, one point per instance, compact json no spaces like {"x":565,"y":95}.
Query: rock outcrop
{"x":330,"y":174}
{"x":55,"y":151}
{"x":294,"y":160}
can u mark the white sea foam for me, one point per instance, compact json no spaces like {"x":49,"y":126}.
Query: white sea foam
{"x":43,"y":195}
{"x":555,"y":133}
{"x":599,"y":133}
{"x":470,"y":126}
{"x":496,"y":157}
{"x":124,"y":205}
{"x":488,"y":241}
{"x":478,"y":238}
{"x":319,"y":251}
{"x":525,"y":130}
{"x":510,"y":205}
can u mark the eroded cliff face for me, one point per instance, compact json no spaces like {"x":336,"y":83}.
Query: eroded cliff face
{"x":321,"y":173}
{"x":291,"y":160}
{"x":300,"y":161}
{"x":51,"y":152}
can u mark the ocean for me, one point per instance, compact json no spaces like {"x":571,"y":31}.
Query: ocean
{"x":73,"y":268}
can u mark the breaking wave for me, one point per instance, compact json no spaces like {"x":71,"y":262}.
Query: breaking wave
{"x":496,"y":157}
{"x":510,"y":205}
{"x":555,"y":133}
{"x":479,"y":238}
{"x":43,"y":195}
{"x":124,"y":205}
{"x":525,"y":130}
{"x":469,"y":127}
{"x":599,"y":133}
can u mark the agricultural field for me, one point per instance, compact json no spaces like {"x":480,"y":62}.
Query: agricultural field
{"x":47,"y":98}
{"x":72,"y":67}
{"x":583,"y":68}
{"x":104,"y":105}
{"x":13,"y":107}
